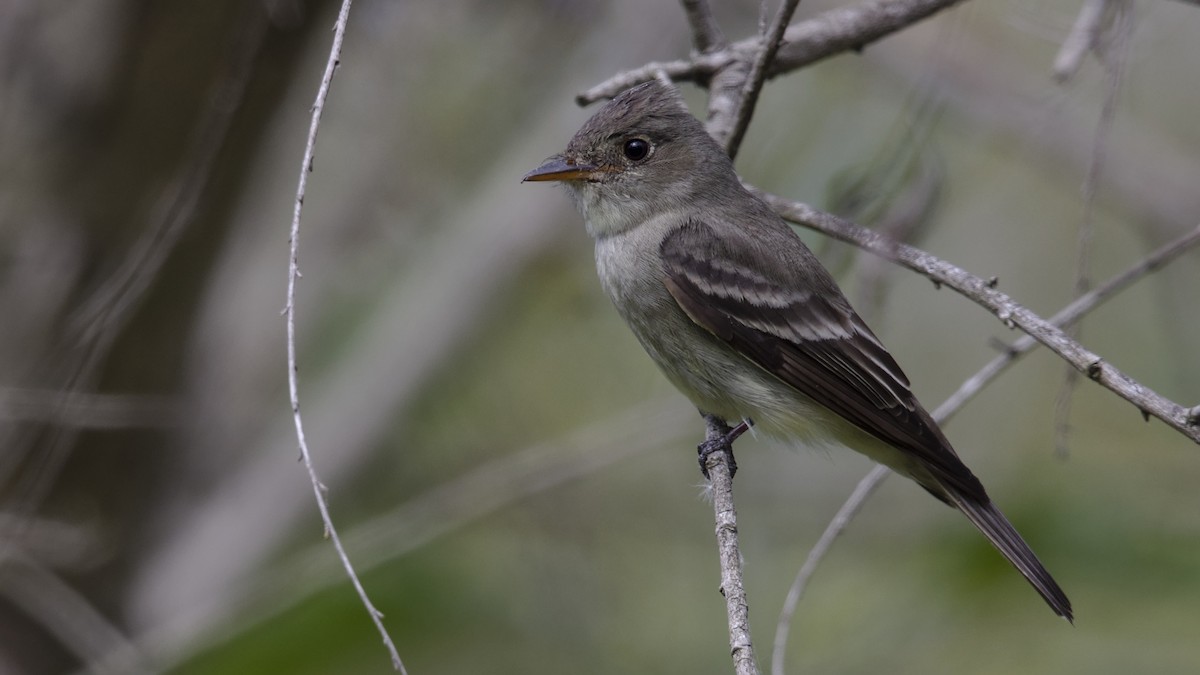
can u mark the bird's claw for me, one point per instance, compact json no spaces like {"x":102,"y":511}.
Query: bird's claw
{"x":722,"y":444}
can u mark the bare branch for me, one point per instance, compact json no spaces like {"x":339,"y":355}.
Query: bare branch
{"x":306,"y":166}
{"x":1005,"y":308}
{"x":732,"y":587}
{"x":1081,"y":38}
{"x":706,"y":33}
{"x":832,"y":32}
{"x":1068,"y":315}
{"x":864,"y":489}
{"x":752,"y":87}
{"x":409,"y":333}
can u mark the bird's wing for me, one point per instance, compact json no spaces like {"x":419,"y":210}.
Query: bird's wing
{"x":797,"y":326}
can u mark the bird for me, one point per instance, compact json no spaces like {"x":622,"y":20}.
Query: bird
{"x":741,"y":316}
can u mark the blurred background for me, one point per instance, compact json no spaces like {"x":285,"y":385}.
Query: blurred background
{"x":515,"y":481}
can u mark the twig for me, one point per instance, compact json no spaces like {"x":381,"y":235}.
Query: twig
{"x":732,"y":587}
{"x":706,"y":33}
{"x":849,"y":509}
{"x":707,"y":38}
{"x":1158,"y":259}
{"x":1005,"y":308}
{"x":268,"y":592}
{"x":306,"y":166}
{"x":1113,"y":57}
{"x":899,"y":226}
{"x":752,"y":87}
{"x":1079,"y":40}
{"x":409,"y":334}
{"x":831,"y":32}
{"x":1070,"y":314}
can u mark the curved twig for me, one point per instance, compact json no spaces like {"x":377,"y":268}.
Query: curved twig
{"x":339,"y":33}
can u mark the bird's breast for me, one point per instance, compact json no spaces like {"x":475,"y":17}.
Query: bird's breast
{"x":695,"y":361}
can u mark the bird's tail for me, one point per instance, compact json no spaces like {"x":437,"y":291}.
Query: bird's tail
{"x":1004,"y":537}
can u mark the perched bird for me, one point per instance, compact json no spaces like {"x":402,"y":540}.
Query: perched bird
{"x":741,"y":316}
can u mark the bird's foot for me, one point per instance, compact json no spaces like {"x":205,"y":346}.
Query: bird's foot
{"x":720,"y":439}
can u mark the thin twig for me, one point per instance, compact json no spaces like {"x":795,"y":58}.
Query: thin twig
{"x":306,"y":166}
{"x":849,"y":509}
{"x":706,"y":32}
{"x":732,"y":587}
{"x":410,"y":332}
{"x":1079,"y":40}
{"x":268,"y":592}
{"x":752,"y":87}
{"x":899,"y":226}
{"x":1113,"y":56}
{"x":831,"y":32}
{"x":1068,"y":315}
{"x":1005,"y":308}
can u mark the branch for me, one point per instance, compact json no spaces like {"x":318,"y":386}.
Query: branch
{"x":706,"y":33}
{"x":755,"y":78}
{"x":306,"y":166}
{"x":1068,"y":315}
{"x":732,"y":587}
{"x":832,"y":32}
{"x":1149,"y":402}
{"x":864,"y":489}
{"x":1080,"y":39}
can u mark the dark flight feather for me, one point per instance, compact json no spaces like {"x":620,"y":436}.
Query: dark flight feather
{"x":814,"y":342}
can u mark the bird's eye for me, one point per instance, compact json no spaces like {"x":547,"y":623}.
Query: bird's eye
{"x":636,"y":149}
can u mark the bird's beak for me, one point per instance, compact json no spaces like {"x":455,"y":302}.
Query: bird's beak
{"x":556,"y":169}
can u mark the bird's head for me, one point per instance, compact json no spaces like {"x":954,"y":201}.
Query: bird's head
{"x":641,"y":154}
